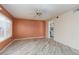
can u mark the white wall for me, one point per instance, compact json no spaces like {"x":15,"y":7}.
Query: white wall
{"x":48,"y":29}
{"x":66,"y":29}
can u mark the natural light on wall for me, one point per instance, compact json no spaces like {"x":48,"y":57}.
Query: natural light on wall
{"x":5,"y":27}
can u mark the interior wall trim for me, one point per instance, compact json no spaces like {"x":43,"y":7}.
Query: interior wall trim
{"x":7,"y":13}
{"x":29,"y":38}
{"x":28,"y":19}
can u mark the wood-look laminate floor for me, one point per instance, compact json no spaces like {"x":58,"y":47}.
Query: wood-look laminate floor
{"x":39,"y":47}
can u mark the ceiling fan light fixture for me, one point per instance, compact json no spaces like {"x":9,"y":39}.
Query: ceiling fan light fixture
{"x":38,"y":12}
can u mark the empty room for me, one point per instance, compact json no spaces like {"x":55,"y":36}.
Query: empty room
{"x":39,"y":29}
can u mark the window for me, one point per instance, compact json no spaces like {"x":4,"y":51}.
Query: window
{"x":5,"y":27}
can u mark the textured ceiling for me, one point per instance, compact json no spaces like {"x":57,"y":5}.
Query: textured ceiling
{"x":27,"y":11}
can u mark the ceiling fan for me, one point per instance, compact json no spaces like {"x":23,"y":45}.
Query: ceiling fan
{"x":38,"y":12}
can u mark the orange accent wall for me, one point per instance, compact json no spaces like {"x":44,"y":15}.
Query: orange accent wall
{"x":28,"y":28}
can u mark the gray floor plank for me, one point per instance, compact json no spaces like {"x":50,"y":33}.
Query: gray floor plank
{"x":39,"y":47}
